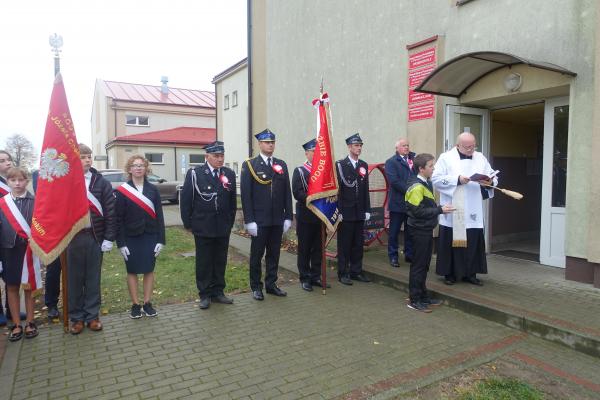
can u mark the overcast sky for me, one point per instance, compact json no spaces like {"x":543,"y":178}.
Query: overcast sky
{"x":124,"y":40}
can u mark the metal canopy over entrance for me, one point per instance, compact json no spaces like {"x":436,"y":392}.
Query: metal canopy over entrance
{"x":455,"y":76}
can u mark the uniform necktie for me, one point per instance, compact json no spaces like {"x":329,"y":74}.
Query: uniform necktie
{"x":269,"y":162}
{"x":216,"y":172}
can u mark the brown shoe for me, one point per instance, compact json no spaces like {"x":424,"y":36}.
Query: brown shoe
{"x":95,"y":325}
{"x":76,"y":327}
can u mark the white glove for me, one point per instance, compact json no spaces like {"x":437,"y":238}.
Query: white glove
{"x":1,"y":267}
{"x":367,"y":216}
{"x":106,"y":246}
{"x":124,"y":252}
{"x":286,"y":225}
{"x":340,"y":218}
{"x":252,"y":229}
{"x":158,"y":248}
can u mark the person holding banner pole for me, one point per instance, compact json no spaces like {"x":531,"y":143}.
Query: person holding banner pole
{"x":141,"y":233}
{"x":308,"y":225}
{"x":16,"y":211}
{"x":355,"y":206}
{"x":84,"y":253}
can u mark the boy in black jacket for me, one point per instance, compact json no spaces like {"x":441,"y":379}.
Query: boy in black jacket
{"x":423,"y":214}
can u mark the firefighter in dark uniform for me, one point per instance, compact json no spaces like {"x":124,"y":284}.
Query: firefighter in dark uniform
{"x":208,"y":205}
{"x":267,"y":206}
{"x":355,"y":206}
{"x":308,"y":225}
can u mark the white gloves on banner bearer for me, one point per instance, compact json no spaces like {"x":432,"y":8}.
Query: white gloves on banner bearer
{"x":106,"y":246}
{"x":158,"y":248}
{"x":252,"y":228}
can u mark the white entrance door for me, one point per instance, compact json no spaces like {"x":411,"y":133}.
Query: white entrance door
{"x":460,"y":119}
{"x":554,"y":179}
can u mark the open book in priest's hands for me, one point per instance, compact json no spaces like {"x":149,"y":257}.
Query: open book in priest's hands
{"x":483,"y":177}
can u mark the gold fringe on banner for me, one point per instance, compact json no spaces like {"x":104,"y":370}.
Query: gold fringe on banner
{"x":47,"y":258}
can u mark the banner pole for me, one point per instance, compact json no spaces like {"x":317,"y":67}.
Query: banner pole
{"x":323,"y":259}
{"x":65,"y":295}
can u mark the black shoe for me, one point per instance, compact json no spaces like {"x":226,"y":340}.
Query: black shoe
{"x":222,"y":299}
{"x":258,"y":295}
{"x":318,"y":283}
{"x":136,"y":311}
{"x":473,"y":281}
{"x":149,"y":310}
{"x":53,"y":312}
{"x":394,"y":263}
{"x":204,"y":303}
{"x":360,"y":278}
{"x":276,"y":291}
{"x":449,"y":280}
{"x":345,"y":280}
{"x":418,"y":306}
{"x":431,"y":302}
{"x":307,"y":286}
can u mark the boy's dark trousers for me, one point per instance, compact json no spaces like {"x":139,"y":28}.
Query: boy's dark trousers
{"x":422,"y":240}
{"x":52,"y":283}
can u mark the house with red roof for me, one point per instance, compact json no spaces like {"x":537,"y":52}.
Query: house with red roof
{"x":168,"y":126}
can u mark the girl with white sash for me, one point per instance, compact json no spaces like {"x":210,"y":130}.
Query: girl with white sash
{"x":16,"y":210}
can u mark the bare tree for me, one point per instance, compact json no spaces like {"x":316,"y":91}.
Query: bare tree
{"x":22,"y":151}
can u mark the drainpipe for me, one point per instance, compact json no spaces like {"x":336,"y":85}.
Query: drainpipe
{"x":249,"y":34}
{"x":175,"y":150}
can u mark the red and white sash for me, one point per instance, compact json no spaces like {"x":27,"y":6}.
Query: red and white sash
{"x":4,"y":189}
{"x":31,"y":277}
{"x":95,"y":205}
{"x":138,"y":198}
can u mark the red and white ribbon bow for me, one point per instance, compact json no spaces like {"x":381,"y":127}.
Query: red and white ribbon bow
{"x":278,"y":168}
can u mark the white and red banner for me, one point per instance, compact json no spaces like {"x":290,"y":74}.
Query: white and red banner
{"x":61,"y":208}
{"x":31,"y":276}
{"x":138,"y":198}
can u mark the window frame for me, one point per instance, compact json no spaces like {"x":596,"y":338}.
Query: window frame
{"x":137,"y":120}
{"x":226,"y":102}
{"x":234,"y":98}
{"x":162,"y":158}
{"x":199,"y":155}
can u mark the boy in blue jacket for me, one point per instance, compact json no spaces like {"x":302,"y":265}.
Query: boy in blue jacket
{"x":423,"y":215}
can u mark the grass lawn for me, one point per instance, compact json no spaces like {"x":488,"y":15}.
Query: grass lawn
{"x":175,"y":274}
{"x":502,"y":389}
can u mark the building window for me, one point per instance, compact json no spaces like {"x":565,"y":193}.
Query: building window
{"x":226,"y":102}
{"x":137,"y":120}
{"x":234,"y":99}
{"x":197,"y":158}
{"x":154,"y":158}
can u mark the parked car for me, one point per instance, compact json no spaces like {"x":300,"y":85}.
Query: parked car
{"x":169,"y":190}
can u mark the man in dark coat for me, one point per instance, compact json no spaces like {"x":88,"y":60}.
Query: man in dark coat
{"x":208,"y":205}
{"x":355,"y":206}
{"x":308,"y":225}
{"x":398,"y":169}
{"x":267,"y":206}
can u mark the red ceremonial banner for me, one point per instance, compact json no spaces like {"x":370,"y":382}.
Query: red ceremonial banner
{"x":323,"y":185}
{"x":61,"y":207}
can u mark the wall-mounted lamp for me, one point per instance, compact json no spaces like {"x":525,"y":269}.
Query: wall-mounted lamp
{"x":513,"y":82}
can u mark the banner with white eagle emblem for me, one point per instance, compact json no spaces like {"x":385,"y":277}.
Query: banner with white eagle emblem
{"x":61,"y":207}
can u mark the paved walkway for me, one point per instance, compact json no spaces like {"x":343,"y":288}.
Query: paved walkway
{"x":520,"y":294}
{"x":356,"y":342}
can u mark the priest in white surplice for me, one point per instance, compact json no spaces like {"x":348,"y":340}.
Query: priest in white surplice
{"x":461,"y":243}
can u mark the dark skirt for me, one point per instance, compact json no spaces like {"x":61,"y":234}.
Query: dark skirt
{"x":141,"y":248}
{"x":461,"y":262}
{"x":12,"y":264}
